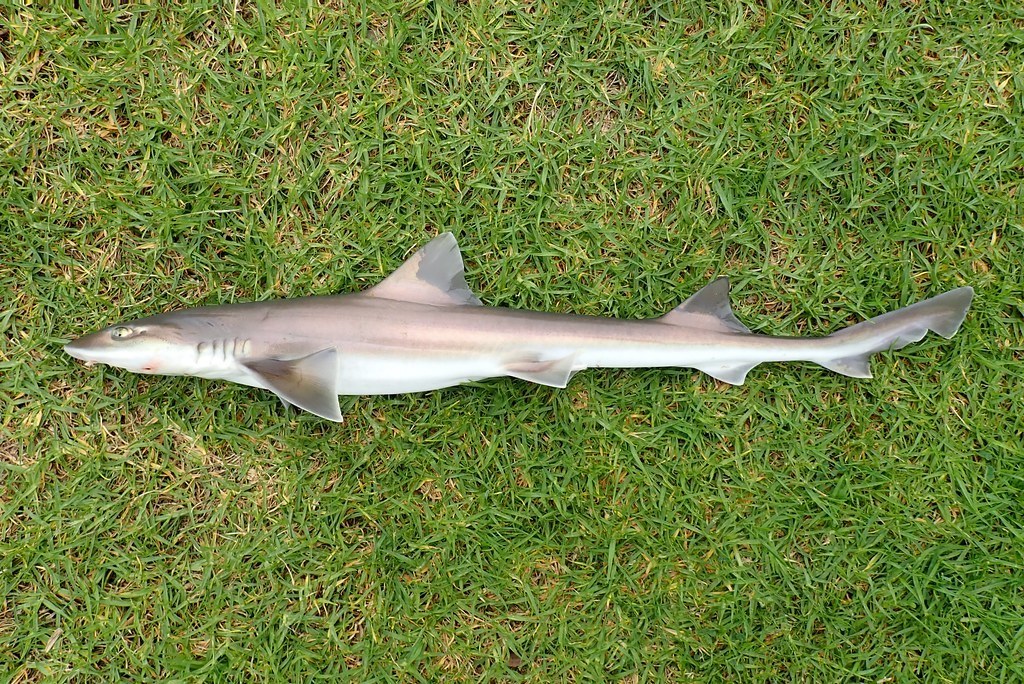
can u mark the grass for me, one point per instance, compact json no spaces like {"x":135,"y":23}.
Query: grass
{"x":834,"y":160}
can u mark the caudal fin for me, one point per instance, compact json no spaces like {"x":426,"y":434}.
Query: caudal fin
{"x":942,"y":314}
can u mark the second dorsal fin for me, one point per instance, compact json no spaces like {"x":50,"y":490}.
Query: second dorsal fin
{"x":433,"y":275}
{"x":707,"y":309}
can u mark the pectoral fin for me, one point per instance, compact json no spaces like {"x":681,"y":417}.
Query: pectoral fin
{"x":309,"y":382}
{"x":552,"y":372}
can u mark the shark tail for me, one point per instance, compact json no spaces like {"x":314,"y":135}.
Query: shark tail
{"x":941,"y":314}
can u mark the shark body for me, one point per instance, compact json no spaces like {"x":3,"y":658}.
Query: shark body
{"x":422,"y":329}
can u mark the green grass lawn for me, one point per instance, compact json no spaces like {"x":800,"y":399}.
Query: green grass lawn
{"x":835,"y":160}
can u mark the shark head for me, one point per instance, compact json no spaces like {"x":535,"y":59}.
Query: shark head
{"x":215,"y":342}
{"x":156,"y":345}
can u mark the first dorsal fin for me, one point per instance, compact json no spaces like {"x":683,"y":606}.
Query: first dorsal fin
{"x":433,"y":275}
{"x":707,"y":309}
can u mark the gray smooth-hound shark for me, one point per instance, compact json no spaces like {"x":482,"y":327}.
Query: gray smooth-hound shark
{"x":422,"y":329}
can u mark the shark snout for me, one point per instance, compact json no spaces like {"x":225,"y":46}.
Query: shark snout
{"x":94,"y":348}
{"x":135,"y":349}
{"x":79,"y":351}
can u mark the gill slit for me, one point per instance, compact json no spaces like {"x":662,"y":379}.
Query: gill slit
{"x":222,"y":350}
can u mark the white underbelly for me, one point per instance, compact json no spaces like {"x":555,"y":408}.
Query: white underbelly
{"x":392,"y":374}
{"x":395,"y":374}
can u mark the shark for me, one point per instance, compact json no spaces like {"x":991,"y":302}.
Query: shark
{"x":422,"y":329}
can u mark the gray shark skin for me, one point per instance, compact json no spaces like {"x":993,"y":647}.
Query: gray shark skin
{"x":422,"y":329}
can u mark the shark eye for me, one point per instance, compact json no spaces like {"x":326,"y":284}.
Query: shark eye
{"x":121,"y":332}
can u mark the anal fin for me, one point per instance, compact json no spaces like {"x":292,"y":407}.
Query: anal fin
{"x":852,"y":366}
{"x":309,"y":382}
{"x":734,"y":373}
{"x":551,"y":372}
